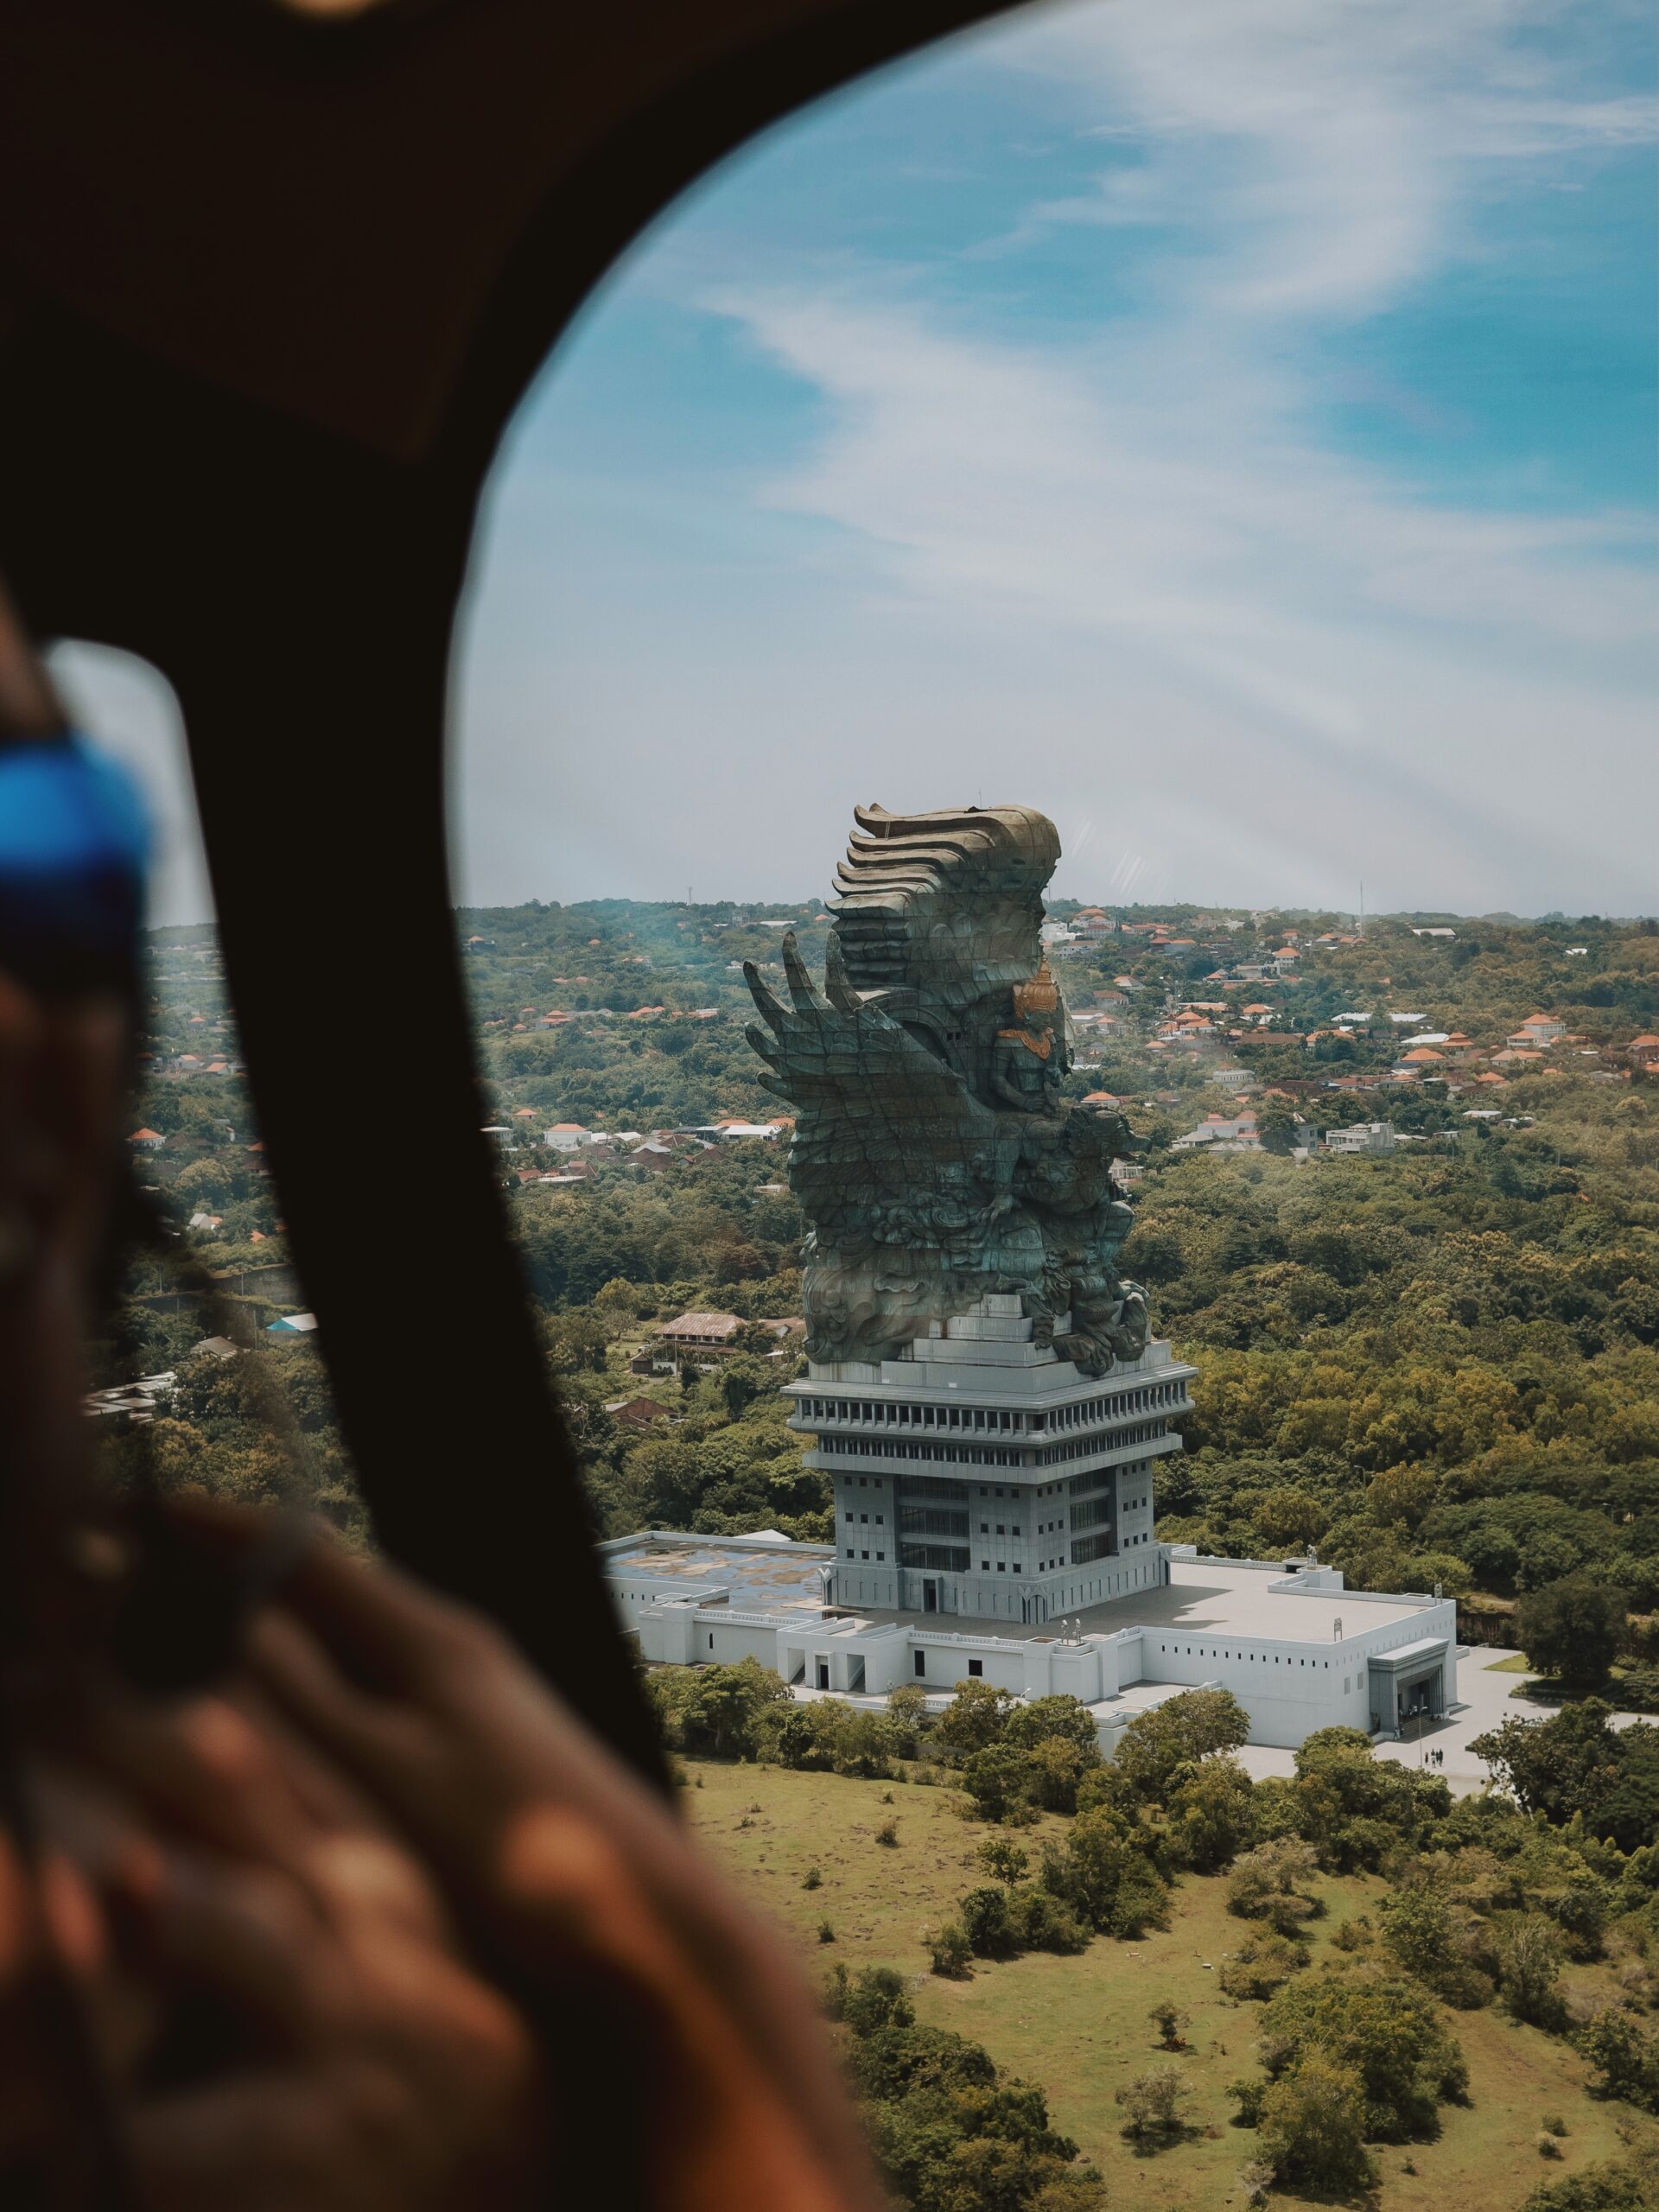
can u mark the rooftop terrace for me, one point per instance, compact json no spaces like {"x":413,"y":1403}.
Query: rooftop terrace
{"x":1207,"y":1597}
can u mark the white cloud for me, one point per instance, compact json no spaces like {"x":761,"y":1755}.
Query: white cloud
{"x":1123,"y":574}
{"x":1324,"y":141}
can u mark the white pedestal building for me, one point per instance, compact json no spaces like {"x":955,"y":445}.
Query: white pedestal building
{"x":993,"y":1523}
{"x":980,"y":1475}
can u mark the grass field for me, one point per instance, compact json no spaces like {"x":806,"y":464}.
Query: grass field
{"x":1078,"y":2027}
{"x":1516,"y":1663}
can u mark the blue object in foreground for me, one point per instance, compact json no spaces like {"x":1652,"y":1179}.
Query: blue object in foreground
{"x":74,"y":850}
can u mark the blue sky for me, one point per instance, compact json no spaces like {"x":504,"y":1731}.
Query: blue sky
{"x":1229,"y":424}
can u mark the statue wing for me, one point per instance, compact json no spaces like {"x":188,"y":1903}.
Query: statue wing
{"x":884,"y":1126}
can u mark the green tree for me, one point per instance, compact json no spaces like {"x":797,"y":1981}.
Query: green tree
{"x":974,"y":1719}
{"x":1196,"y":1724}
{"x":1571,"y":1628}
{"x":1211,"y":1813}
{"x":1000,"y":1782}
{"x":1313,"y":2126}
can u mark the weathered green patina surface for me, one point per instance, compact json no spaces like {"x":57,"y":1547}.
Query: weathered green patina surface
{"x":933,"y":1153}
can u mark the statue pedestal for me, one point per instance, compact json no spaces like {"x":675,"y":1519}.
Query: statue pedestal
{"x":980,"y":1476}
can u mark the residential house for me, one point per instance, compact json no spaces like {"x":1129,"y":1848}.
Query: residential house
{"x":1643,"y":1051}
{"x":1217,"y":1133}
{"x":148,"y":1139}
{"x":566,"y":1136}
{"x":1362,"y":1137}
{"x":1540,"y":1030}
{"x":637,"y":1413}
{"x":706,"y":1338}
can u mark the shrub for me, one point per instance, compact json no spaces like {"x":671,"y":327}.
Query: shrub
{"x":826,"y":1933}
{"x":907,"y":1711}
{"x":1004,"y":1861}
{"x":1169,"y":2020}
{"x":1248,"y":2093}
{"x":888,"y":1833}
{"x":987,"y":1924}
{"x":1626,"y":2184}
{"x":812,"y":1879}
{"x":1385,"y":2030}
{"x":1356,"y":1809}
{"x":1270,"y":1884}
{"x":872,"y":1997}
{"x":1038,"y":1921}
{"x":718,"y":1711}
{"x":1626,"y":2057}
{"x":1530,"y":1963}
{"x":1101,"y":1873}
{"x":1154,"y":2102}
{"x":1264,"y":1963}
{"x":1255,"y":2178}
{"x":1424,"y":1934}
{"x":951,"y":1953}
{"x":1050,"y":1719}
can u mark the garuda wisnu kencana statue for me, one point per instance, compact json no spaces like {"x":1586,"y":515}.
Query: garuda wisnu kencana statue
{"x":934,"y":1153}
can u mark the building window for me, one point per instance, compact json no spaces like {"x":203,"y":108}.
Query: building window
{"x":984,"y":1567}
{"x":976,"y":1668}
{"x":863,"y":1554}
{"x":881,"y":1555}
{"x":921,"y":1663}
{"x":1001,"y":1567}
{"x":849,"y":1551}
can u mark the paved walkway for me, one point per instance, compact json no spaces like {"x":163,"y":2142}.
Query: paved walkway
{"x":1487,"y":1700}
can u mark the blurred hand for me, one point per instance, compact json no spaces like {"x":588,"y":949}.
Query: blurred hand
{"x":327,"y":2046}
{"x":568,"y":1874}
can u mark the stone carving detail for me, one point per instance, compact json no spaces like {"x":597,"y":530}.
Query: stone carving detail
{"x":933,"y":1153}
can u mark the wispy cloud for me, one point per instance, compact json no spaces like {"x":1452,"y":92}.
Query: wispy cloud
{"x":1069,"y":520}
{"x":1159,"y":489}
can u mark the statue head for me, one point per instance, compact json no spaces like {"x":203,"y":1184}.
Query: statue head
{"x":948,"y":904}
{"x":1036,"y":1003}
